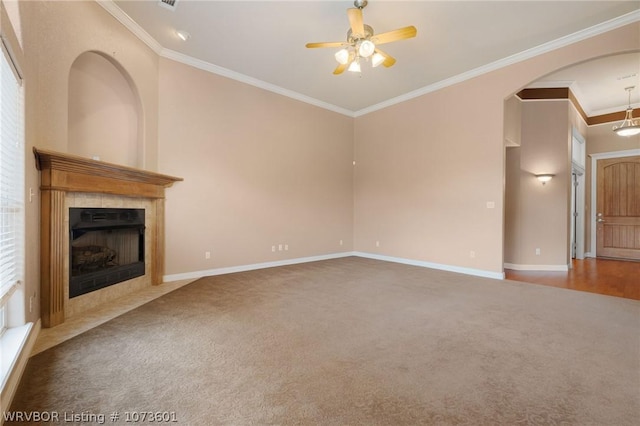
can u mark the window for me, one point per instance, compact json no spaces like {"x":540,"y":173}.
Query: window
{"x":11,"y":183}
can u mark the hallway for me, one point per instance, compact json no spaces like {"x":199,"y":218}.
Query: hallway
{"x":604,"y":276}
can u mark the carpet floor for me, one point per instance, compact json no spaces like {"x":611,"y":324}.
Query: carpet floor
{"x":351,"y":341}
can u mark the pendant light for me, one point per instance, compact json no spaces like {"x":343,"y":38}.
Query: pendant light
{"x":629,"y":126}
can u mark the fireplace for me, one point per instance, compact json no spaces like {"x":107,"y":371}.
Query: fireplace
{"x":106,"y":247}
{"x":68,"y":181}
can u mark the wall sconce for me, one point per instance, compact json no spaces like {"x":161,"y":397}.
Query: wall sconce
{"x":544,"y":178}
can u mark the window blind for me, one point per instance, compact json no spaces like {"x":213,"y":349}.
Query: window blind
{"x":11,"y":177}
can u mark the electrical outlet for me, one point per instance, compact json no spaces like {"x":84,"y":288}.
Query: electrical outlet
{"x":273,"y":248}
{"x":286,"y":247}
{"x":472,"y":254}
{"x":377,"y":243}
{"x":207,"y":255}
{"x":340,"y":242}
{"x":537,"y":252}
{"x":279,"y":247}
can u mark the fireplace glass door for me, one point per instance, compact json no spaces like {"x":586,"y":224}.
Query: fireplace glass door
{"x":106,"y":247}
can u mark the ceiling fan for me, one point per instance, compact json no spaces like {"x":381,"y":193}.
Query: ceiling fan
{"x":362,"y":43}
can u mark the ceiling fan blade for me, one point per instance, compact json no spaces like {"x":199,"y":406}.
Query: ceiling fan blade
{"x":355,"y":20}
{"x":340,"y":68}
{"x":325,"y":44}
{"x":395,"y":35}
{"x":388,"y":59}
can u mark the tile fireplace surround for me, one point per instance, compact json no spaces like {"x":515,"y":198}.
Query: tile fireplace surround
{"x":69,"y":181}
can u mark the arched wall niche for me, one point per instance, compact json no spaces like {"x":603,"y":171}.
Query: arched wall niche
{"x":105,"y":113}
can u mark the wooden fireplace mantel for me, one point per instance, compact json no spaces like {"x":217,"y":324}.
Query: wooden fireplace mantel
{"x":72,"y":173}
{"x":65,"y":173}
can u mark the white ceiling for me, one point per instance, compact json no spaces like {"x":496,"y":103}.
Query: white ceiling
{"x":263,"y":43}
{"x":600,"y":84}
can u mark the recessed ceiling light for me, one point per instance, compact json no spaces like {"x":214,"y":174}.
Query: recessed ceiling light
{"x":183,"y":35}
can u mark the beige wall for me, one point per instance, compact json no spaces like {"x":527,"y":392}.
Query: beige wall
{"x":259,"y":170}
{"x":512,"y":206}
{"x":424,"y":176}
{"x":537,"y":215}
{"x":426,"y":168}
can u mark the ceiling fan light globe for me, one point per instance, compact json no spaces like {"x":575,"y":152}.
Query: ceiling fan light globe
{"x":354,"y":67}
{"x":366,"y":48}
{"x":342,"y":56}
{"x":377,"y":59}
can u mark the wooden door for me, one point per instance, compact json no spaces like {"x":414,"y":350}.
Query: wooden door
{"x":618,"y":201}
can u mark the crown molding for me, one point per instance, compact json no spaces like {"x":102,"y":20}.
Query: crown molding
{"x":561,"y":92}
{"x":130,"y":24}
{"x":598,"y":29}
{"x":145,"y":37}
{"x":225,"y":72}
{"x":579,"y":97}
{"x":572,"y":85}
{"x":610,"y":117}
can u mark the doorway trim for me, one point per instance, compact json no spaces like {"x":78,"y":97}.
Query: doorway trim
{"x":578,"y":189}
{"x":594,"y":180}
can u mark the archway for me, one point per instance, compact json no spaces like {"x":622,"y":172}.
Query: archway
{"x":585,"y":133}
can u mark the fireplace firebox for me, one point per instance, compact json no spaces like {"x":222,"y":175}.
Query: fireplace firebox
{"x":106,"y":247}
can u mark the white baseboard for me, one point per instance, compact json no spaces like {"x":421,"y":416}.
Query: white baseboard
{"x":16,"y":344}
{"x":242,"y":268}
{"x":251,"y":267}
{"x":431,"y":265}
{"x":553,"y":268}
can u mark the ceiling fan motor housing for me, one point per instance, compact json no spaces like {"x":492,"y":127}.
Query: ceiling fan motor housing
{"x":360,"y":4}
{"x":368,"y":32}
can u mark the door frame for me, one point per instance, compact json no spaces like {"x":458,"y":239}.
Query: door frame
{"x":578,"y":189}
{"x":577,"y":229}
{"x":594,"y":189}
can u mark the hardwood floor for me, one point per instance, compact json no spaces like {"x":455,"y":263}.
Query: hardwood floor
{"x":603,"y":276}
